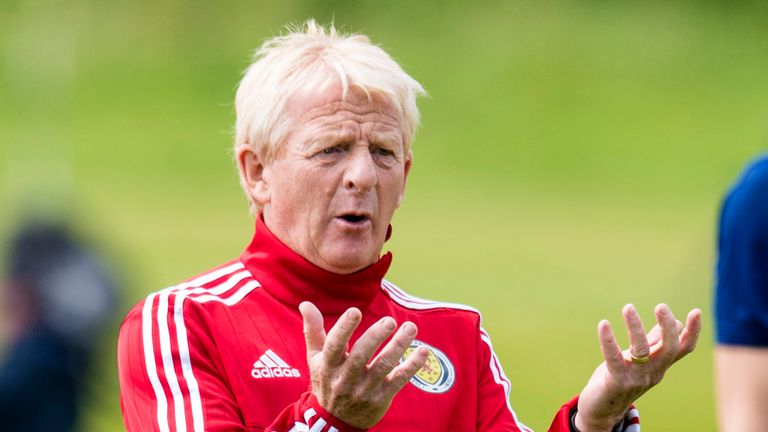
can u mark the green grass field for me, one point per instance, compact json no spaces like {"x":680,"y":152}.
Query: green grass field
{"x":571,"y":159}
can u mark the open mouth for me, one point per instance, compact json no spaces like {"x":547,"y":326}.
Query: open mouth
{"x":354,"y":218}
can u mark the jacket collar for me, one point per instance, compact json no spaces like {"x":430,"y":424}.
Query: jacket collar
{"x":292,"y":279}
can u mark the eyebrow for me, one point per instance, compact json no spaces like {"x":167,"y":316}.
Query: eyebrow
{"x":342,"y":136}
{"x":334,"y":136}
{"x":385,"y":137}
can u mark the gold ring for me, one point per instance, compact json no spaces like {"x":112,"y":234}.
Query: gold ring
{"x":639,"y":360}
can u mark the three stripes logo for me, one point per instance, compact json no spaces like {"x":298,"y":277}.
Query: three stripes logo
{"x":270,"y":365}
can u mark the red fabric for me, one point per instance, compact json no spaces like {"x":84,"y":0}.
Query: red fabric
{"x":225,"y":351}
{"x":308,"y":409}
{"x":562,"y":420}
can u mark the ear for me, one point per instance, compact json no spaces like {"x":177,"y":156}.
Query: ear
{"x":406,"y":171}
{"x":251,"y":169}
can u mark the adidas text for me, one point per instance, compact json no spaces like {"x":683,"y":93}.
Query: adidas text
{"x":270,"y":365}
{"x":275,"y":373}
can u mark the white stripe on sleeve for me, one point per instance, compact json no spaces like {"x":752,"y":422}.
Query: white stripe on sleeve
{"x":149,"y":359}
{"x":182,"y":292}
{"x":167,"y":355}
{"x":186,"y":365}
{"x":411,"y":302}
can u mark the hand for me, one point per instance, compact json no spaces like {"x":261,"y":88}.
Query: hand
{"x":350,"y":385}
{"x":619,"y":381}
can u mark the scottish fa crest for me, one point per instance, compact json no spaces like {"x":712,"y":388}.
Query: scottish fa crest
{"x":437,"y":375}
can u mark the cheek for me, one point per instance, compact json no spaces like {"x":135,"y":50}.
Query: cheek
{"x":392,"y":188}
{"x":309,"y":189}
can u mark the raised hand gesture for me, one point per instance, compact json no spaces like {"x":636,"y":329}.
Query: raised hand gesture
{"x":353,"y":385}
{"x":625,"y":375}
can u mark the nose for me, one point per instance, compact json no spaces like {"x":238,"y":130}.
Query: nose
{"x":360,"y":174}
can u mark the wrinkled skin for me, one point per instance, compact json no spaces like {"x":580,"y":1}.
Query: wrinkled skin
{"x":330,"y":191}
{"x":329,"y":194}
{"x":352,"y":385}
{"x":618,"y":381}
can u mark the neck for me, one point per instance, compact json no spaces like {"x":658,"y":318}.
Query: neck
{"x":292,"y":279}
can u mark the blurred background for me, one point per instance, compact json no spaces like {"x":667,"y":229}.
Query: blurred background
{"x":571,"y":159}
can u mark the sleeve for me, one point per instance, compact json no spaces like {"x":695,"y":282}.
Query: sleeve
{"x":167,"y":382}
{"x":565,"y":419}
{"x":307,"y":415}
{"x":170,"y":377}
{"x":741,"y":293}
{"x":494,"y":411}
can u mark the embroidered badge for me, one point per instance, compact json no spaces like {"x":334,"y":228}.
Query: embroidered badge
{"x":437,"y":375}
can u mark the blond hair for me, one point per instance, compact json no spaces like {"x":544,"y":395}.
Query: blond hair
{"x":308,"y":60}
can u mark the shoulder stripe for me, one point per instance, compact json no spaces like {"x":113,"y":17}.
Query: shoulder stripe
{"x":194,"y":291}
{"x":500,"y":378}
{"x":208,"y":277}
{"x":411,"y":302}
{"x":168,"y":368}
{"x":149,"y":359}
{"x":231,"y":300}
{"x":186,"y":365}
{"x":218,"y":289}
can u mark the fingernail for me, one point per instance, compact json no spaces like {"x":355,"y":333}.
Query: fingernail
{"x":388,"y":324}
{"x":410,"y":329}
{"x":350,"y":314}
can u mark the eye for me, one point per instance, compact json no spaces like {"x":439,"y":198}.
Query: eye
{"x":381,"y":151}
{"x":332,"y":150}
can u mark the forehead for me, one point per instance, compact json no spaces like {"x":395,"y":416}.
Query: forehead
{"x":329,"y":109}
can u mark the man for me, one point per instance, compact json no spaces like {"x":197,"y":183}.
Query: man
{"x":323,"y":134}
{"x":57,"y":298}
{"x":741,"y":303}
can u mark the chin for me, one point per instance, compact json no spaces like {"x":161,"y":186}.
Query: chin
{"x":351,"y":260}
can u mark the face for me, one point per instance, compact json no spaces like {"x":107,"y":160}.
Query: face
{"x":335,"y":182}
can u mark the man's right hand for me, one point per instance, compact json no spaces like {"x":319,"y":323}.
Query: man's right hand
{"x":351,"y":385}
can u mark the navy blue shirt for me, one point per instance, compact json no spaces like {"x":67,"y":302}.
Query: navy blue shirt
{"x":40,"y":383}
{"x":741,"y":295}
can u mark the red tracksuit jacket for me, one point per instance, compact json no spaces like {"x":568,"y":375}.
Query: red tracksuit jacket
{"x":225,"y":351}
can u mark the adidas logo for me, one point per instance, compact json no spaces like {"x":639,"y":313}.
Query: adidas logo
{"x":269,"y":365}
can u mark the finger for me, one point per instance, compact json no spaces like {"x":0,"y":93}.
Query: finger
{"x":369,"y":342}
{"x":637,"y":339}
{"x":400,"y":375}
{"x":614,"y":359}
{"x":390,"y":355}
{"x":690,"y":334}
{"x":314,"y":333}
{"x":654,"y":336}
{"x":668,"y":324}
{"x":335,"y":348}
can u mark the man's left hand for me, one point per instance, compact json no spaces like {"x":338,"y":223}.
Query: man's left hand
{"x":625,"y":375}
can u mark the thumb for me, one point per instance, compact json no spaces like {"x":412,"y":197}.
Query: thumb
{"x":314,"y":332}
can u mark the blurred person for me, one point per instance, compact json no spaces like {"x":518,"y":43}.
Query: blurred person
{"x":741,"y":303}
{"x":58,"y":296}
{"x":302,"y":332}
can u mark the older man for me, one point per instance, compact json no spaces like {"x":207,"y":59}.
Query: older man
{"x":324,"y":127}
